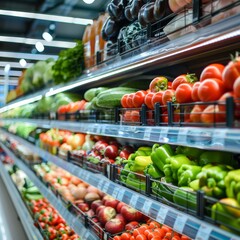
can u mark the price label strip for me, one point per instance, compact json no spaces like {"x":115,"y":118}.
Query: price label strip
{"x":146,"y":206}
{"x":204,"y":232}
{"x":147,"y":133}
{"x":133,"y":201}
{"x":218,"y":137}
{"x":163,"y":135}
{"x":121,"y":194}
{"x":182,"y":135}
{"x":180,"y":223}
{"x":106,"y":187}
{"x":162,"y":214}
{"x":115,"y":193}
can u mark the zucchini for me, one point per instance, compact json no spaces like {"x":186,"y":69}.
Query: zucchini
{"x":32,"y":190}
{"x":93,"y":92}
{"x":33,"y":196}
{"x":112,"y":97}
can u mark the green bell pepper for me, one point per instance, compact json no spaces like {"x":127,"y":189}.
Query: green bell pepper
{"x":160,"y":154}
{"x":187,"y":173}
{"x":185,"y":197}
{"x":153,"y":171}
{"x":134,"y":182}
{"x":140,"y":163}
{"x":232,"y":183}
{"x":211,"y":180}
{"x":190,"y":152}
{"x":217,"y":157}
{"x":172,"y":165}
{"x":143,"y":151}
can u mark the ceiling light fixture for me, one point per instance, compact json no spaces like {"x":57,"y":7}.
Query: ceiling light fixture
{"x":88,"y":1}
{"x":47,"y":36}
{"x":23,"y":62}
{"x":32,"y":41}
{"x":26,"y":55}
{"x":39,"y":46}
{"x":46,"y":17}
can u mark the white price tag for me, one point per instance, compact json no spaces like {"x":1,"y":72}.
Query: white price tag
{"x":105,"y":187}
{"x":203,"y":232}
{"x":163,"y":134}
{"x":100,"y":185}
{"x":146,"y":207}
{"x":147,"y":133}
{"x":121,"y":194}
{"x":133,"y":201}
{"x":162,"y":214}
{"x":182,"y":135}
{"x":218,"y":137}
{"x":115,"y":193}
{"x":180,"y":223}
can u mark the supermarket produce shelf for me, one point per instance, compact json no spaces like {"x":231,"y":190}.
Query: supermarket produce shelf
{"x":26,"y":219}
{"x":210,"y":39}
{"x":179,"y":221}
{"x":224,"y":139}
{"x":72,"y":220}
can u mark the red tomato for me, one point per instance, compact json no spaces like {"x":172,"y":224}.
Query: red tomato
{"x":124,"y":101}
{"x":138,"y":98}
{"x":158,"y":84}
{"x":135,"y":116}
{"x":184,"y":78}
{"x":147,"y":232}
{"x":222,"y":101}
{"x":168,"y":96}
{"x":148,"y":100}
{"x":195,"y":87}
{"x":137,"y":232}
{"x":130,"y":100}
{"x":62,"y":109}
{"x":141,"y":237}
{"x":211,"y":114}
{"x":212,"y":71}
{"x":154,"y":224}
{"x":160,"y":231}
{"x":236,"y":87}
{"x":196,"y":112}
{"x":184,"y":93}
{"x":157,"y":98}
{"x":127,"y":116}
{"x":117,"y":238}
{"x":76,"y":106}
{"x":210,"y":90}
{"x":231,"y":73}
{"x":126,"y":236}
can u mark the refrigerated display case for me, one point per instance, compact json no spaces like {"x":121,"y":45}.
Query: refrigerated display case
{"x":187,"y":53}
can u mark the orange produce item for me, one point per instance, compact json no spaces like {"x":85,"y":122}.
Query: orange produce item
{"x":87,"y":48}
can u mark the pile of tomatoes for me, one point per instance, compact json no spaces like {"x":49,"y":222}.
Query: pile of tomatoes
{"x":53,"y":225}
{"x":152,"y":230}
{"x":216,"y":83}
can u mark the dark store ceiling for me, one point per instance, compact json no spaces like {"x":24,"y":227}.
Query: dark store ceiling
{"x":19,"y":34}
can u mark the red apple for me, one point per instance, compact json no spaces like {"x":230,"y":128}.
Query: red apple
{"x":109,"y":201}
{"x":131,"y":214}
{"x":131,"y":225}
{"x":114,"y":225}
{"x":119,"y":206}
{"x":83,"y":206}
{"x":95,"y":204}
{"x":90,"y":213}
{"x":106,"y":214}
{"x":121,"y":218}
{"x":99,"y":209}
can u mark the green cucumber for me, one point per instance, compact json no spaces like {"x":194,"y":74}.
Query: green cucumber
{"x":32,"y":190}
{"x":112,"y":98}
{"x":33,"y":196}
{"x":90,"y":94}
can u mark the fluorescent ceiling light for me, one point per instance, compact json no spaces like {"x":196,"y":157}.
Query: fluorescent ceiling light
{"x":14,"y":64}
{"x":47,"y":36}
{"x":47,"y":17}
{"x":27,"y":55}
{"x":39,"y":46}
{"x":32,"y":41}
{"x":23,"y":62}
{"x":11,"y":73}
{"x":88,"y":1}
{"x":7,"y":68}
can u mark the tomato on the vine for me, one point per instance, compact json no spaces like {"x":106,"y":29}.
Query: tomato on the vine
{"x":183,"y":93}
{"x":184,"y":78}
{"x":157,"y":98}
{"x":212,"y":71}
{"x":138,"y":98}
{"x":210,"y":90}
{"x":130,"y":100}
{"x":211,"y":114}
{"x":230,"y":73}
{"x":158,"y":84}
{"x":195,"y":115}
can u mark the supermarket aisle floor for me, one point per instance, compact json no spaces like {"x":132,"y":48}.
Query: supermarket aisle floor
{"x":10,"y":226}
